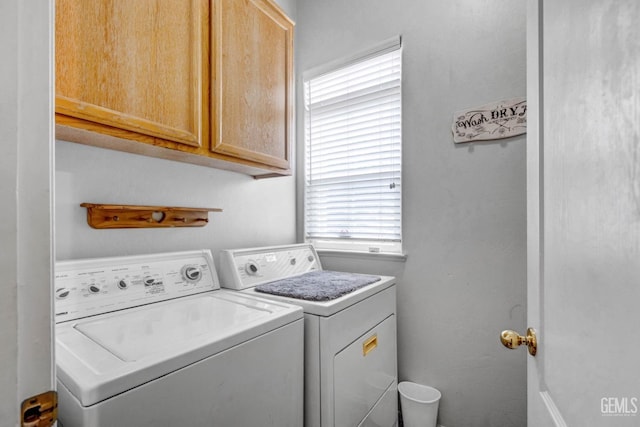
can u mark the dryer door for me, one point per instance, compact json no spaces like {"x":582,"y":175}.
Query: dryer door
{"x":363,"y":371}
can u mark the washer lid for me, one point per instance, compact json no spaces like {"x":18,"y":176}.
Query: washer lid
{"x":106,"y":355}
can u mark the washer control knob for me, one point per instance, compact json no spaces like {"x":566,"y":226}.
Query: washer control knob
{"x":62,"y":293}
{"x":292,"y":261}
{"x":251,"y":268}
{"x":191,"y":273}
{"x":94,"y":288}
{"x":148,"y":280}
{"x":310,"y":258}
{"x":122,"y":284}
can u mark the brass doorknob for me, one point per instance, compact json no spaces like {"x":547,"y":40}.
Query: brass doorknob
{"x":511,"y":340}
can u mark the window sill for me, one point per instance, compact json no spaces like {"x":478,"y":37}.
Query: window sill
{"x":380,"y":256}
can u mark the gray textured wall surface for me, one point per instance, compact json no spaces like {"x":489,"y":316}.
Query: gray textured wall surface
{"x":464,"y":206}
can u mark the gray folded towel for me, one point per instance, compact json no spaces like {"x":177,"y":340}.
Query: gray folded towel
{"x":322,"y":285}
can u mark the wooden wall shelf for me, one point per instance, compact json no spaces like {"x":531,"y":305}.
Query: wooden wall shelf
{"x":132,"y":216}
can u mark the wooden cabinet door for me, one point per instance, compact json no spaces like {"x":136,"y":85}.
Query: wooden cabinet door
{"x":134,"y":65}
{"x":252,"y":111}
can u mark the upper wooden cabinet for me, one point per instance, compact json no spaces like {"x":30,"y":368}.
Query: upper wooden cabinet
{"x":253,"y":67}
{"x":205,"y":82}
{"x":140,"y":66}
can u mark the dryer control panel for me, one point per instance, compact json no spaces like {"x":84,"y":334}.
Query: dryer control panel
{"x":246,"y":268}
{"x":101,"y":285}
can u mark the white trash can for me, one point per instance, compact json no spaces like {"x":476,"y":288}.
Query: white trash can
{"x":419,"y":404}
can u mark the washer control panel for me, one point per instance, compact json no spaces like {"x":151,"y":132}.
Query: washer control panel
{"x":245,"y":268}
{"x":100,"y":285}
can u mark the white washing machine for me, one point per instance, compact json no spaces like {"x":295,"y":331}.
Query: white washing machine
{"x":152,"y":341}
{"x":350,"y":341}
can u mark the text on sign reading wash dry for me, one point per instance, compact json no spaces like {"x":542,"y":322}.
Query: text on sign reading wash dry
{"x":497,"y":120}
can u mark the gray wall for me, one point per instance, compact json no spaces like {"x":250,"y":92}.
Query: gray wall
{"x":464,"y":216}
{"x":256,"y":212}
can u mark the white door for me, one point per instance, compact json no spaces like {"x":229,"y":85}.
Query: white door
{"x":584,"y":212}
{"x":26,"y":166}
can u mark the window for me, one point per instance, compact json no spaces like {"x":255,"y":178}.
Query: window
{"x":353,"y":153}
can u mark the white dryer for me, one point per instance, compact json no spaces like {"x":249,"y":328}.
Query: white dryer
{"x":350,"y":340}
{"x":152,"y":341}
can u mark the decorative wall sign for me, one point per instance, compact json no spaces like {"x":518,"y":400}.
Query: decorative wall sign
{"x":497,"y":120}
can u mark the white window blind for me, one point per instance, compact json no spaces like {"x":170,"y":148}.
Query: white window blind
{"x":353,"y":154}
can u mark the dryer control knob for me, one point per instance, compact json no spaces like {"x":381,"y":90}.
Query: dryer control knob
{"x":148,"y":280}
{"x":62,"y":293}
{"x":251,"y":268}
{"x":123,"y":284}
{"x":94,"y":288}
{"x":191,"y":273}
